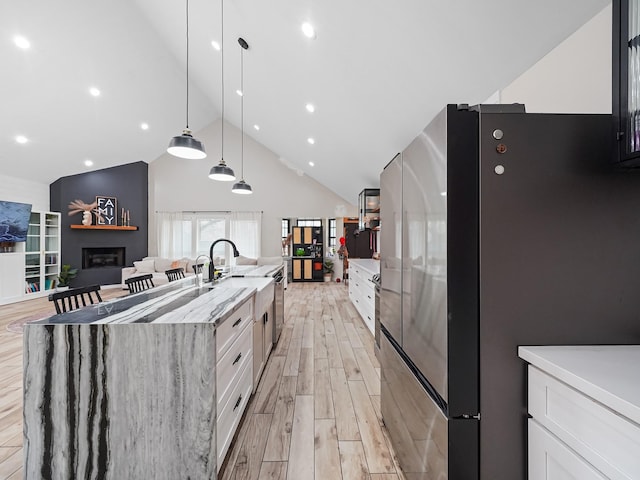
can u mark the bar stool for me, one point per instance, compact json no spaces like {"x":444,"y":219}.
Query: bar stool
{"x":139,"y":283}
{"x":75,"y":298}
{"x":174,"y":274}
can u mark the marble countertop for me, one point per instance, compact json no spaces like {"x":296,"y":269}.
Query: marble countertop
{"x":182,"y":301}
{"x":254,"y":270}
{"x":370,"y":265}
{"x":606,"y":373}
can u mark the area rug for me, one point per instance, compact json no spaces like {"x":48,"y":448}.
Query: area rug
{"x":17,"y":326}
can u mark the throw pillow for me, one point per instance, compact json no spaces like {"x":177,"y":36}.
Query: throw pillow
{"x":242,"y":260}
{"x":163,"y":264}
{"x":269,"y":260}
{"x":145,"y":266}
{"x":175,"y":264}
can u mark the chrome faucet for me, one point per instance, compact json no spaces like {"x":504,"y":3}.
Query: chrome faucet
{"x":236,"y":253}
{"x":199,"y":274}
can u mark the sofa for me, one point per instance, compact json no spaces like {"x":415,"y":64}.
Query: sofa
{"x":157,"y":266}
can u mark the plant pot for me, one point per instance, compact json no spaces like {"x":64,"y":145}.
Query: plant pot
{"x":327,"y":277}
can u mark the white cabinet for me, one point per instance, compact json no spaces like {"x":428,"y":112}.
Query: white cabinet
{"x":33,"y":269}
{"x":42,"y":253}
{"x":551,"y":459}
{"x":585,"y":408}
{"x":12,"y":277}
{"x":362,"y":289}
{"x":234,"y":367}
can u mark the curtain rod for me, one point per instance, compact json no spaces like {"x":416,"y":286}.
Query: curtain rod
{"x":209,"y":211}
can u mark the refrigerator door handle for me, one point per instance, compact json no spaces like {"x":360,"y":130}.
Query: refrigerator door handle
{"x":466,"y":416}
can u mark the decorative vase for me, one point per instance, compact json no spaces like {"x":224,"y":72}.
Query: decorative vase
{"x":86,"y":218}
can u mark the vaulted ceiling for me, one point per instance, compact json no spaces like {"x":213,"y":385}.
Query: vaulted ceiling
{"x":377,"y":72}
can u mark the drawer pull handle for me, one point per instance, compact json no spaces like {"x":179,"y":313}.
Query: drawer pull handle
{"x":237,"y":403}
{"x":369,"y":297}
{"x":236,"y":323}
{"x":237,"y":358}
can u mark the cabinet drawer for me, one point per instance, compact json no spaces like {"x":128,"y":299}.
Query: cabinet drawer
{"x":229,"y":416}
{"x":607,"y":440}
{"x":228,"y":330}
{"x":232,"y":363}
{"x":550,"y":459}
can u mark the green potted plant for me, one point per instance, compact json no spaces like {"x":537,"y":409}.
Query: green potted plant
{"x":327,"y":268}
{"x":66,"y":275}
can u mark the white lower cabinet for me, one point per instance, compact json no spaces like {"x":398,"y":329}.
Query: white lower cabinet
{"x":234,"y":374}
{"x":231,"y":413}
{"x":583,"y":403}
{"x":551,"y":459}
{"x":362,"y":293}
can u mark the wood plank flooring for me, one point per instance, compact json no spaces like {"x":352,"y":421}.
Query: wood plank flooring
{"x":315,"y":414}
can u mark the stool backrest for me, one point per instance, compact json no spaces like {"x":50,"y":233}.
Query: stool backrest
{"x":139,"y":283}
{"x":75,"y":298}
{"x":174,"y":273}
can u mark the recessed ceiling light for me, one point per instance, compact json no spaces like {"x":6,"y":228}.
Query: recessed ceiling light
{"x":21,"y":139}
{"x":239,"y":92}
{"x":94,"y":91}
{"x":144,"y":126}
{"x":215,"y":45}
{"x":21,"y":42}
{"x":311,"y":140}
{"x":311,"y":164}
{"x":257,"y":127}
{"x":310,"y":107}
{"x":308,"y":30}
{"x":88,"y":163}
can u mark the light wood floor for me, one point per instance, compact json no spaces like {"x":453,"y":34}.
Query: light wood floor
{"x":316,"y":413}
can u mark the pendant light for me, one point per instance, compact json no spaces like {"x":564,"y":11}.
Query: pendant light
{"x":222,"y":172}
{"x":242,"y":187}
{"x":185,"y":145}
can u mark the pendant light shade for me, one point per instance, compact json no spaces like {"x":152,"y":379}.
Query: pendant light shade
{"x":185,"y":145}
{"x":242,"y":187}
{"x":222,"y":172}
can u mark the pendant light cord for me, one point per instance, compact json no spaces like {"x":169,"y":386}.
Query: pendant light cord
{"x":222,"y":79}
{"x":242,"y":113}
{"x":187,"y":64}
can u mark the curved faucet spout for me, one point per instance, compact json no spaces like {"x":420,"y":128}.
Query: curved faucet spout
{"x":199,"y":274}
{"x":236,"y":253}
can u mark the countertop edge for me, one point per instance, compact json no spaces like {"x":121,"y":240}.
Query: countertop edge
{"x":629,"y":408}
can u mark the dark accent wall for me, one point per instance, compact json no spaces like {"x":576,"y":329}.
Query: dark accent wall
{"x":129,"y":183}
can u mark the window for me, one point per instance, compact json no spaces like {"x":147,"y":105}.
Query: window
{"x":285,"y":229}
{"x":332,"y":235}
{"x":189,"y":234}
{"x":309,"y":222}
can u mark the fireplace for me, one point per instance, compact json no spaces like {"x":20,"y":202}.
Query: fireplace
{"x":103,"y":257}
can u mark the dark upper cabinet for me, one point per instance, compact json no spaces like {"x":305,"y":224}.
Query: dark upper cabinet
{"x":369,"y":209}
{"x":626,"y":81}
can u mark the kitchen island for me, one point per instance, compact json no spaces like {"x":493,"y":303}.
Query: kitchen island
{"x":128,"y":388}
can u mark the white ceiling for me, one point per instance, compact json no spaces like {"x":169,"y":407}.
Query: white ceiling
{"x":378,"y":71}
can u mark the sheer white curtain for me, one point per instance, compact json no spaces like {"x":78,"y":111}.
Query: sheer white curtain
{"x":171,"y":235}
{"x":246,"y":232}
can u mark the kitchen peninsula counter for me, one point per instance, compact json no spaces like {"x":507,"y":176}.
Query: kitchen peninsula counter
{"x":127,"y":388}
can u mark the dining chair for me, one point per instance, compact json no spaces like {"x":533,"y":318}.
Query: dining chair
{"x":139,"y":283}
{"x":75,"y":298}
{"x":197,"y":268}
{"x":174,"y":274}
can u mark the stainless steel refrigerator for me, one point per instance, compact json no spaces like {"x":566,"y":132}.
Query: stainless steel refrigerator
{"x":499,"y":228}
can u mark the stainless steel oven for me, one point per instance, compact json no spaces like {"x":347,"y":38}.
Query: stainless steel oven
{"x":278,"y":305}
{"x":376,"y":330}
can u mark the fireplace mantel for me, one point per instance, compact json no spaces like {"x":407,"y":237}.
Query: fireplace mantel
{"x":102,"y":227}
